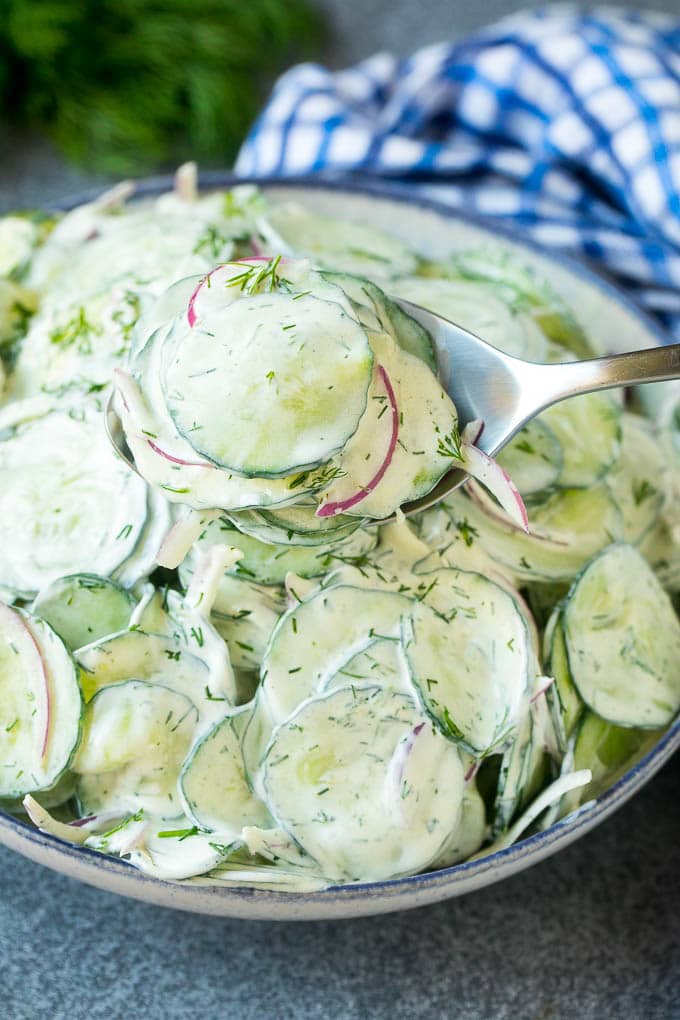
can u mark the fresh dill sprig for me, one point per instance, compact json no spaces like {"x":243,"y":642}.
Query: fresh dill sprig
{"x":450,"y":445}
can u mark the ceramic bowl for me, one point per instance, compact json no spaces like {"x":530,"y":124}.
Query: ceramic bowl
{"x":614,"y":323}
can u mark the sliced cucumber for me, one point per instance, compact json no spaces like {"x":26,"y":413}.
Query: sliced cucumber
{"x":378,"y":312}
{"x":214,"y":790}
{"x":154,"y":658}
{"x":295,"y":525}
{"x":637,"y":479}
{"x":278,"y":383}
{"x":269,"y":564}
{"x":315,"y":639}
{"x":523,"y":772}
{"x":168,"y":461}
{"x":470,"y":832}
{"x":67,"y":503}
{"x":563,"y":699}
{"x":83,"y":608}
{"x":588,"y":429}
{"x":143,"y":559}
{"x":477,"y":308}
{"x":470,"y":658}
{"x":40,"y":705}
{"x":336,"y":244}
{"x":136,"y":736}
{"x":533,"y":459}
{"x":623,"y":641}
{"x":363,"y":784}
{"x":133,"y":654}
{"x":245,"y":614}
{"x":606,"y":750}
{"x":425,"y":417}
{"x":567,"y":528}
{"x":383,"y":664}
{"x":520,"y":287}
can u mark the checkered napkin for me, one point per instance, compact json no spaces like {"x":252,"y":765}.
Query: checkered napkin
{"x":561,"y":122}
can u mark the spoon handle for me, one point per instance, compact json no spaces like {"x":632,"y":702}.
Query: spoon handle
{"x":654,"y":364}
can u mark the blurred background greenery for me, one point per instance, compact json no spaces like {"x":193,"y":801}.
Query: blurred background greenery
{"x":132,"y":85}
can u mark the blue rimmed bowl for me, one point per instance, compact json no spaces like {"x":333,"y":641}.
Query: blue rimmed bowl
{"x":613,"y":323}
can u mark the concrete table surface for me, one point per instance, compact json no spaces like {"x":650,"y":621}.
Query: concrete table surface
{"x":591,"y":933}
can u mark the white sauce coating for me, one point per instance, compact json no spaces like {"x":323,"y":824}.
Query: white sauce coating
{"x":309,"y":699}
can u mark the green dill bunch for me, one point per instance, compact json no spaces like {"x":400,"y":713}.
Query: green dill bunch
{"x":132,"y":85}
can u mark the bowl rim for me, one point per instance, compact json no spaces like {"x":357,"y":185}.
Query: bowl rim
{"x":92,"y":866}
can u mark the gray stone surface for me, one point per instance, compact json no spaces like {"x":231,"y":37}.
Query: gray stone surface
{"x":361,"y":27}
{"x":593,"y":934}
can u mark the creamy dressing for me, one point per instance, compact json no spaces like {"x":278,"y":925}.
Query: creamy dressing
{"x":308,"y":699}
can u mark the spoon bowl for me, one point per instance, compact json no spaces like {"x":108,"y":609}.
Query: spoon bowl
{"x":115,"y":433}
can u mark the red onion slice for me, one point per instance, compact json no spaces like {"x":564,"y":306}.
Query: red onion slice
{"x":13,"y":621}
{"x":177,"y":460}
{"x":493,"y":477}
{"x":191,"y":311}
{"x":48,"y":696}
{"x":333,"y":508}
{"x":397,"y":766}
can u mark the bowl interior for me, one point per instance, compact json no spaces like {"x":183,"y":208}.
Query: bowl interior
{"x":614,"y":323}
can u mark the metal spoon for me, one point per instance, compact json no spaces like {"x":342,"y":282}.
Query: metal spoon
{"x":503,"y":391}
{"x":506,"y":392}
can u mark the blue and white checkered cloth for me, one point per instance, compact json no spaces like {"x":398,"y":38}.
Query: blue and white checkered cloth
{"x":562,"y":122}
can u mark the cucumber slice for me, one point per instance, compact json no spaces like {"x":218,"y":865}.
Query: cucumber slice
{"x":606,"y":750}
{"x":533,"y":459}
{"x":83,"y":608}
{"x":245,"y":615}
{"x":567,"y":529}
{"x":40,"y":705}
{"x":524,"y":771}
{"x":168,"y":461}
{"x":563,"y":699}
{"x":519,"y":286}
{"x":136,"y":736}
{"x":425,"y":416}
{"x":383,"y":664}
{"x":143,"y":559}
{"x":588,"y":429}
{"x":278,"y":385}
{"x":470,"y":658}
{"x":189,"y":657}
{"x":317,"y":638}
{"x":269,"y":564}
{"x":215,"y":793}
{"x":637,"y":479}
{"x":623,"y":641}
{"x":470,"y":832}
{"x":475,"y":307}
{"x":378,"y":312}
{"x":133,"y":654}
{"x":56,"y":796}
{"x":363,"y":784}
{"x":295,"y":525}
{"x":336,"y":244}
{"x":67,"y":503}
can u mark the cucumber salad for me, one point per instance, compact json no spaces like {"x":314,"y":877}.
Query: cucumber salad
{"x":240,"y":663}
